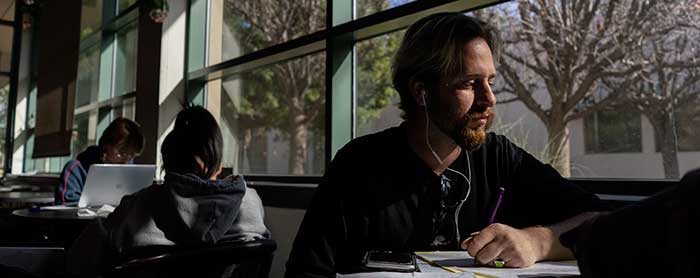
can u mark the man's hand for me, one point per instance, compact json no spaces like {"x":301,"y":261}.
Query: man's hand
{"x":518,"y":248}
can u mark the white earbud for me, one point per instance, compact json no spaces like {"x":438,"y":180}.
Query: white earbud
{"x":427,"y":129}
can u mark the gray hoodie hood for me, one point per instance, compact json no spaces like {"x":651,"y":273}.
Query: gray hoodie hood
{"x":190,"y":211}
{"x":206,"y":209}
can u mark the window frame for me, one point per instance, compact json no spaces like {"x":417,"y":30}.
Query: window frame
{"x":337,"y":40}
{"x":16,"y":24}
{"x":596,"y":147}
{"x":105,"y":36}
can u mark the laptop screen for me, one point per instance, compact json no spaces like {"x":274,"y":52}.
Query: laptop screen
{"x":106,"y":184}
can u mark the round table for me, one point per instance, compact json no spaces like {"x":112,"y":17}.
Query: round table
{"x":53,"y":227}
{"x":55,"y":215}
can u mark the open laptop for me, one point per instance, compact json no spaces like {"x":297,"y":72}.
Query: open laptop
{"x":106,"y":184}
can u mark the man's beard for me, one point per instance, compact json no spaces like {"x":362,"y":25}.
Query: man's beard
{"x":457,"y":127}
{"x":468,"y":138}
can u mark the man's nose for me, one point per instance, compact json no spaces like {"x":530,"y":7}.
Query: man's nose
{"x":485,"y":95}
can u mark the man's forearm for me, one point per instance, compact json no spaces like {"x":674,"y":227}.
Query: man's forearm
{"x":547,"y":238}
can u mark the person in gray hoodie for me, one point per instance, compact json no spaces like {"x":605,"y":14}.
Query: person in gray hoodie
{"x":191,"y":207}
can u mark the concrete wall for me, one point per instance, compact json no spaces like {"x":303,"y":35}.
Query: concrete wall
{"x":645,"y":164}
{"x":172,"y":68}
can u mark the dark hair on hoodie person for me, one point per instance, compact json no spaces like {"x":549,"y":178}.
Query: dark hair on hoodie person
{"x":192,"y":206}
{"x":195,"y":145}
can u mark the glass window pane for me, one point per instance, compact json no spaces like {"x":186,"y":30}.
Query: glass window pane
{"x":79,"y":141}
{"x":126,"y":110}
{"x":125,"y":74}
{"x":124,"y":4}
{"x":7,"y":10}
{"x":688,"y":126}
{"x":368,"y":7}
{"x":4,"y":93}
{"x":6,"y":33}
{"x":613,"y":132}
{"x":90,"y":17}
{"x":250,"y":25}
{"x":273,"y":118}
{"x":41,"y":165}
{"x":611,"y":109}
{"x":377,"y":101}
{"x":88,"y":76}
{"x":104,"y":118}
{"x":29,"y":163}
{"x":55,"y":164}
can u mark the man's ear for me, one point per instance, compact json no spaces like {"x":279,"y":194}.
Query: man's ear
{"x":418,"y":92}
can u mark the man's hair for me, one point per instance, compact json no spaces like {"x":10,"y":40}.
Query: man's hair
{"x":124,"y":135}
{"x":433,"y":48}
{"x":196,"y":135}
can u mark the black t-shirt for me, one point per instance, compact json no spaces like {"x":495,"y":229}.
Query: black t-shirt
{"x":377,"y":194}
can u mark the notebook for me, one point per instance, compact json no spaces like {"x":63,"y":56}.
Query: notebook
{"x":106,"y":184}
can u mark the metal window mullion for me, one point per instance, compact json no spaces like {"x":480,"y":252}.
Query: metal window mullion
{"x":12,"y":95}
{"x":109,"y":13}
{"x":110,"y":67}
{"x":107,"y":75}
{"x":353,"y":80}
{"x":207,"y":38}
{"x":353,"y":76}
{"x":339,"y":79}
{"x":195,"y":49}
{"x":360,"y":29}
{"x":115,"y":54}
{"x":197,"y":14}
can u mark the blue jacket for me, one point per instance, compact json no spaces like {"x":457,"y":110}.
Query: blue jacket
{"x":74,"y":174}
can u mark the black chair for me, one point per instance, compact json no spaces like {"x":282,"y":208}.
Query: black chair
{"x":226,"y":259}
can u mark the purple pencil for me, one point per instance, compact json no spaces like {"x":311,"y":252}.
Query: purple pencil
{"x":501,"y":190}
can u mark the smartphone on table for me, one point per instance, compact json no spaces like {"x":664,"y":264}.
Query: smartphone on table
{"x":390,"y":261}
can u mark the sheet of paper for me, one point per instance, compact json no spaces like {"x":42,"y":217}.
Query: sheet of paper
{"x":59,"y":207}
{"x":426,"y":271}
{"x":403,"y":275}
{"x":461,"y":260}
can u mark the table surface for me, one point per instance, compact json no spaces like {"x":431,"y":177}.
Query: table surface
{"x":462,"y":264}
{"x":63,"y":214}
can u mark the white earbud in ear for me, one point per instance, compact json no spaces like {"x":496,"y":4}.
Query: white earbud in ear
{"x":427,"y":128}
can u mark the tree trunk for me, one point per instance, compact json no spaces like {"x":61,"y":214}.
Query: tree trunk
{"x":664,"y":128}
{"x":298,"y":133}
{"x":557,"y":150}
{"x":244,"y":138}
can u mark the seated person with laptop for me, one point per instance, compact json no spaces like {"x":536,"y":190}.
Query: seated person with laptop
{"x":191,"y":207}
{"x":119,"y":144}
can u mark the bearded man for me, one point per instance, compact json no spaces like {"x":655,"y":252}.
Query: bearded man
{"x":433,"y":183}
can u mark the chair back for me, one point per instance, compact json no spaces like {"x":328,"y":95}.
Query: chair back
{"x":225,"y":259}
